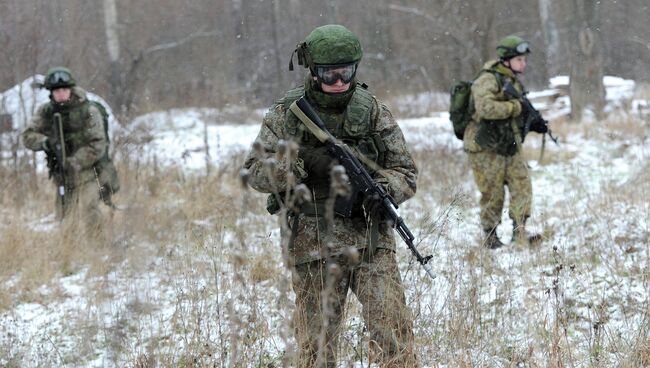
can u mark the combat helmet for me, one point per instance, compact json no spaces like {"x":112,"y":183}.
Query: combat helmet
{"x":511,"y":46}
{"x":329,"y":46}
{"x":58,"y":77}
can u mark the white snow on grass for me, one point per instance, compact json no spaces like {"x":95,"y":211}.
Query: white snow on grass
{"x":180,"y":136}
{"x":580,"y":269}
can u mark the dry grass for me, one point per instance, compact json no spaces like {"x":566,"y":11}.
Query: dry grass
{"x":193,"y":276}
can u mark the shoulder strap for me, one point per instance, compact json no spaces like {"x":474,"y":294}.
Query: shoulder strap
{"x":498,"y":76}
{"x":291,"y":96}
{"x":102,"y":112}
{"x":313,"y":128}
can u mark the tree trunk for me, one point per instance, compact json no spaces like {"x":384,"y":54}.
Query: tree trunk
{"x":551,"y":36}
{"x":277,"y":47}
{"x":113,"y":47}
{"x":586,"y":88}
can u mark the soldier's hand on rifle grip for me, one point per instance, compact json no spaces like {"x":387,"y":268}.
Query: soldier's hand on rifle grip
{"x":317,"y":161}
{"x":47,"y":145}
{"x":372,"y":206}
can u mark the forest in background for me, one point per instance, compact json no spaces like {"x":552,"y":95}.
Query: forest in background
{"x":157,"y":54}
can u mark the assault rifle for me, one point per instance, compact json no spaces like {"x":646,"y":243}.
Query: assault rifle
{"x":58,"y":167}
{"x":533,"y":120}
{"x":360,"y":179}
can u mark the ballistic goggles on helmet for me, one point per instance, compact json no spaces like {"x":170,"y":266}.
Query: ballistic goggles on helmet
{"x":329,"y":74}
{"x":59,"y":78}
{"x":520,"y":49}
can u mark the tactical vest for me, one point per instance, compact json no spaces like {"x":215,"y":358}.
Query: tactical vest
{"x":355,"y":126}
{"x":499,"y":136}
{"x":75,"y":121}
{"x":75,"y":124}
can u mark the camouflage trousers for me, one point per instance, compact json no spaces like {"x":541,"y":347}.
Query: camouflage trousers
{"x":321,"y":289}
{"x":80,"y":209}
{"x":492,"y":173}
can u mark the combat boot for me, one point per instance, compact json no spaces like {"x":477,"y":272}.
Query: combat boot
{"x":492,"y":240}
{"x":522,"y":237}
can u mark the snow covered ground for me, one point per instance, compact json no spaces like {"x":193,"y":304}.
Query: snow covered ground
{"x":592,"y":270}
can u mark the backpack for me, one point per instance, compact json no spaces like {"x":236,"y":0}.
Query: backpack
{"x":104,"y":113}
{"x":105,"y":170}
{"x":461,"y":105}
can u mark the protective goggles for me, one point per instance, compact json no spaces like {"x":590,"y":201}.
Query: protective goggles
{"x":522,"y":48}
{"x":58,"y":78}
{"x":329,"y":74}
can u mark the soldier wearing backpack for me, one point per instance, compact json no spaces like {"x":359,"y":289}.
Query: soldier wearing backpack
{"x":72,"y":131}
{"x":493,"y":140}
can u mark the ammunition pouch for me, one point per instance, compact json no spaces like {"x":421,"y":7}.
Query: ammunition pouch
{"x":273,"y":206}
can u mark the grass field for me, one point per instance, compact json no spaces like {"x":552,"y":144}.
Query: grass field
{"x":193,"y":274}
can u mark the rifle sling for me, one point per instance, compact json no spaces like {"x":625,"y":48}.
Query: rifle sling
{"x":313,"y":209}
{"x":313,"y":128}
{"x":324,"y":137}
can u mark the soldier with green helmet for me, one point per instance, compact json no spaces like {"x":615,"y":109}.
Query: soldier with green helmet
{"x":493,"y":141}
{"x":71,"y":131}
{"x":330,"y":255}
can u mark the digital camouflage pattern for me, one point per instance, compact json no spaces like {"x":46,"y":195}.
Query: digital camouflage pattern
{"x":377,"y":285}
{"x":333,"y":44}
{"x":493,"y":141}
{"x":398,"y":174}
{"x":319,"y":241}
{"x":86,"y":143}
{"x":496,"y":123}
{"x":492,"y":172}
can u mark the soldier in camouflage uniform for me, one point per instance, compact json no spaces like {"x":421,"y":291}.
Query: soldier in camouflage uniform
{"x":85,"y":144}
{"x":493,"y":141}
{"x":330,"y":256}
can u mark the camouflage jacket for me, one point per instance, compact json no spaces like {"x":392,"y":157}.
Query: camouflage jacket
{"x":84,"y":135}
{"x":396,"y":171}
{"x":496,"y":123}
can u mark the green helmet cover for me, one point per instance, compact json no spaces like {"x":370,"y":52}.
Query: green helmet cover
{"x":511,"y":46}
{"x":58,"y":77}
{"x":332,"y":44}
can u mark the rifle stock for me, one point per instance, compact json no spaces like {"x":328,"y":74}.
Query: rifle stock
{"x":359,"y":176}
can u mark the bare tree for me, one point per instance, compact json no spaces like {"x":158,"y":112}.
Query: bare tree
{"x":156,"y":54}
{"x":113,"y":47}
{"x":586,"y":87}
{"x":551,"y":32}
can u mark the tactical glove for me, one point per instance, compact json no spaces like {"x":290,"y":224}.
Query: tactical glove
{"x":47,"y":145}
{"x":373,"y":207}
{"x":317,"y":161}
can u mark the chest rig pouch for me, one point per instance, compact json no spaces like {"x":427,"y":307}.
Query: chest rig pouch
{"x":499,"y":136}
{"x":356,"y":128}
{"x":74,"y":121}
